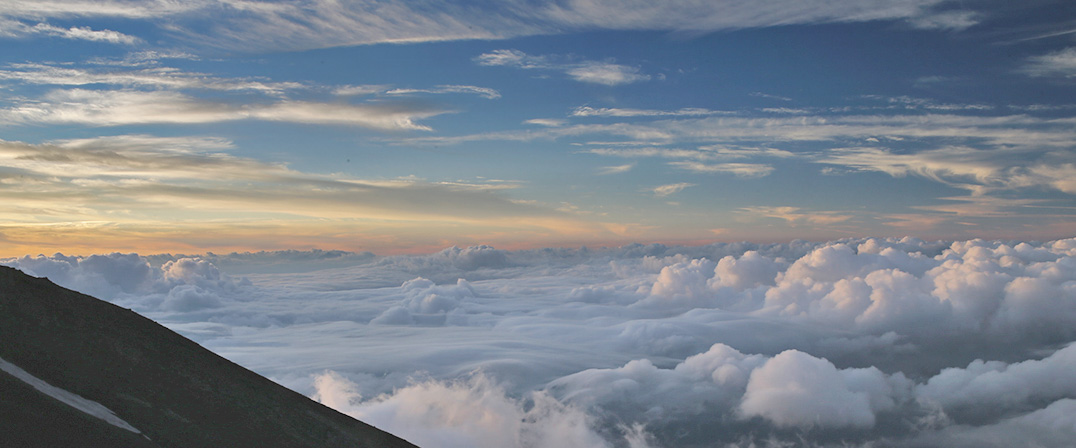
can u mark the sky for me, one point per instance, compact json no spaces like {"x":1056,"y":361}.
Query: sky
{"x":408,"y":127}
{"x":580,"y":223}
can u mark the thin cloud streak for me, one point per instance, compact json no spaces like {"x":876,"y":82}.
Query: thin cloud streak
{"x":666,"y":190}
{"x":126,"y":107}
{"x":140,"y":180}
{"x":484,"y":92}
{"x":747,"y":170}
{"x":155,"y":77}
{"x":616,"y":169}
{"x":594,"y":72}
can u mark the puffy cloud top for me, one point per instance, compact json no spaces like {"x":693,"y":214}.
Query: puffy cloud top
{"x":883,"y":341}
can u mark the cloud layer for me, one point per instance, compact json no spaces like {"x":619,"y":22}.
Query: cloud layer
{"x":900,"y":342}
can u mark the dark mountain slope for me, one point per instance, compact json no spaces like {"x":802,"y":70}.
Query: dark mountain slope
{"x":29,"y":418}
{"x":170,"y":388}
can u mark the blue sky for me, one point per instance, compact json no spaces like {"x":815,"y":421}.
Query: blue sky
{"x":407,"y":127}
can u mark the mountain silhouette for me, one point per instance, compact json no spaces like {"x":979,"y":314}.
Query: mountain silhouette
{"x":171,"y":391}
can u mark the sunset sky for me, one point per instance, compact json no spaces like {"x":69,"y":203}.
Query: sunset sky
{"x":406,"y":127}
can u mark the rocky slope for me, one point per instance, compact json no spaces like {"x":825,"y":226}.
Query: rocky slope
{"x":176,"y":393}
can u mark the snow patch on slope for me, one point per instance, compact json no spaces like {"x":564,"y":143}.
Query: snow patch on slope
{"x":88,"y":406}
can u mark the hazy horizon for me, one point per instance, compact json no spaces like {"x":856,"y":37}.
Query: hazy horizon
{"x":226,"y":125}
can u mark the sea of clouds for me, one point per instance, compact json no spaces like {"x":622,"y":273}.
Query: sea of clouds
{"x":864,"y":342}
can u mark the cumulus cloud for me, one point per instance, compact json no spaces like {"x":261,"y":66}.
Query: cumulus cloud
{"x":866,"y":341}
{"x":469,"y":413}
{"x":994,"y":387}
{"x":181,"y":285}
{"x":797,"y":389}
{"x":1052,"y":426}
{"x":426,"y":303}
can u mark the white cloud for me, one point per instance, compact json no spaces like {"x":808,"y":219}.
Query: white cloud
{"x":947,"y":20}
{"x":1049,"y":427}
{"x":85,"y":33}
{"x":125,"y":107}
{"x":748,"y":170}
{"x":595,"y":72}
{"x":484,"y":92}
{"x":514,"y":58}
{"x":796,"y":389}
{"x":587,"y":111}
{"x":1060,"y":63}
{"x":463,"y":414}
{"x":383,"y":117}
{"x":770,"y":96}
{"x":994,"y":387}
{"x":616,"y":169}
{"x":153,"y":76}
{"x":888,"y":341}
{"x":107,"y":8}
{"x":978,"y":170}
{"x":547,"y":122}
{"x":666,"y":190}
{"x":367,"y":89}
{"x":606,"y":73}
{"x":262,"y":26}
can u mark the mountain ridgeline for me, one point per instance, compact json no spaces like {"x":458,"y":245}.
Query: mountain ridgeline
{"x":173,"y":391}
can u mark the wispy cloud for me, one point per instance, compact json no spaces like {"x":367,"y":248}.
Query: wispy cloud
{"x":84,"y":33}
{"x":913,"y":103}
{"x":770,"y":96}
{"x":606,"y":73}
{"x":947,"y":20}
{"x":484,"y":92}
{"x":796,"y":215}
{"x":132,"y":183}
{"x":548,"y":122}
{"x":587,"y":111}
{"x":260,"y":26}
{"x":616,"y":169}
{"x":595,"y":72}
{"x":125,"y":107}
{"x":977,"y":170}
{"x":1061,"y":63}
{"x":747,"y":170}
{"x":153,"y":77}
{"x":103,"y":8}
{"x":366,"y":89}
{"x":1015,"y":131}
{"x":666,"y":190}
